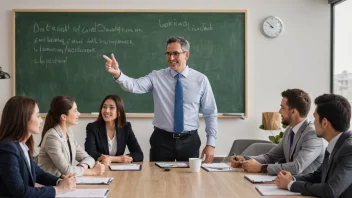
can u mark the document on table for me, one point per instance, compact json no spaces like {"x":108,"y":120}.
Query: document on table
{"x":218,"y":167}
{"x":85,"y":193}
{"x":93,"y":180}
{"x":274,"y":191}
{"x":260,"y":178}
{"x":172,"y":164}
{"x":126,"y":167}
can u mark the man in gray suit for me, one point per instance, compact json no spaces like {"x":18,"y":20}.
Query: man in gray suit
{"x":333,"y":177}
{"x":300,"y":150}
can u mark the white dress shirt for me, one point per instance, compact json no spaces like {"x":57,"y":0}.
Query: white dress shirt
{"x":25,"y":151}
{"x":112,"y":145}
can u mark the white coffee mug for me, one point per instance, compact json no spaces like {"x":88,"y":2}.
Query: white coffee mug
{"x":194,"y":164}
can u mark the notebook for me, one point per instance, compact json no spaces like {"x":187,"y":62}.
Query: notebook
{"x":218,"y":167}
{"x":93,"y":180}
{"x":274,"y":191}
{"x":260,"y":178}
{"x":85,"y":193}
{"x":172,"y":165}
{"x":126,"y":167}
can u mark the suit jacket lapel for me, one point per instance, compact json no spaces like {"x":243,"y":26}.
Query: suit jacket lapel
{"x":297,"y":137}
{"x":29,"y":168}
{"x":73,"y":146}
{"x":63,"y":139}
{"x":286,"y":141}
{"x":338,"y":144}
{"x":104,"y":138}
{"x":119,"y":138}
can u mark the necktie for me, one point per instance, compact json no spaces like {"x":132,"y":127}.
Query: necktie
{"x":292,"y":137}
{"x":325,"y":165}
{"x":178,"y":113}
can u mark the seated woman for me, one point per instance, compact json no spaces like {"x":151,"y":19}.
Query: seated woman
{"x":108,"y":136}
{"x":58,"y":148}
{"x":18,"y":172}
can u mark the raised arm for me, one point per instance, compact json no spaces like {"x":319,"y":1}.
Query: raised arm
{"x":139,"y":86}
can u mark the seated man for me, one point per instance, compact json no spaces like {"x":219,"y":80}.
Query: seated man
{"x":333,"y":178}
{"x":300,"y":150}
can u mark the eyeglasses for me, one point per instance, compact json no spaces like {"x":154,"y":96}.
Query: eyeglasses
{"x":175,"y":54}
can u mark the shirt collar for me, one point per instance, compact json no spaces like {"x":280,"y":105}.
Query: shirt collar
{"x":24,"y":147}
{"x":332,"y":143}
{"x":184,"y":72}
{"x":296,"y":128}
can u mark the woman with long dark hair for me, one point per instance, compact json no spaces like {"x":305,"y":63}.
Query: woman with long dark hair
{"x":18,"y":172}
{"x":108,"y":136}
{"x":58,"y":148}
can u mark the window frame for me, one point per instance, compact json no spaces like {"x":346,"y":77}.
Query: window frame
{"x":332,"y":41}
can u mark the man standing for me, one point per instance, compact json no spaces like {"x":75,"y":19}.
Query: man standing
{"x":179,"y":92}
{"x":333,"y":178}
{"x":300,"y":150}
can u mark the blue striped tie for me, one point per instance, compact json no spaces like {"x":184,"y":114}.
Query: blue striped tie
{"x":178,"y":114}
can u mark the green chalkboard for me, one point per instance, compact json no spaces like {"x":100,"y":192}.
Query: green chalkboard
{"x":61,"y":53}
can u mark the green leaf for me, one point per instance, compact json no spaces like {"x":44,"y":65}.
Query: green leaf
{"x":284,"y":126}
{"x":261,"y":127}
{"x":281,"y":135}
{"x":279,"y":139}
{"x":272,"y":139}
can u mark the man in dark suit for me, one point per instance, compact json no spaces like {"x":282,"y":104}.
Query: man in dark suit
{"x":333,"y":177}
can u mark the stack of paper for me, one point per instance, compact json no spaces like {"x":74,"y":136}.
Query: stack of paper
{"x":172,"y":165}
{"x":93,"y":180}
{"x":274,"y":191}
{"x":218,"y":167}
{"x":260,"y":178}
{"x":86,"y":193}
{"x":126,"y":167}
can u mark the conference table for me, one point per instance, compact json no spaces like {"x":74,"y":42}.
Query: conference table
{"x":152,"y":181}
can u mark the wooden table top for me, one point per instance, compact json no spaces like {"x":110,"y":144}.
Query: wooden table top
{"x":153,"y":181}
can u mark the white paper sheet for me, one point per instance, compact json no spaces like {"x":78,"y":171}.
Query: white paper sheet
{"x":274,"y":190}
{"x":86,"y":193}
{"x":260,"y":178}
{"x":172,"y":164}
{"x":126,"y":167}
{"x":218,"y":167}
{"x":93,"y":180}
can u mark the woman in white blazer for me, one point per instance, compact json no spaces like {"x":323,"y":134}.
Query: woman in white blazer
{"x":59,"y":150}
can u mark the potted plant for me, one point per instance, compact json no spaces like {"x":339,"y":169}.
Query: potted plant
{"x":272,"y":121}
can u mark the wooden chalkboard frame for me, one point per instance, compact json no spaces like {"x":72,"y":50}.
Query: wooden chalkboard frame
{"x":132,"y":115}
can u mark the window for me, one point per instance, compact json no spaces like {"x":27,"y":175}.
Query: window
{"x":342,"y":48}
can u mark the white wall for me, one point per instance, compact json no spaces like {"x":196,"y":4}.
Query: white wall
{"x":299,"y":58}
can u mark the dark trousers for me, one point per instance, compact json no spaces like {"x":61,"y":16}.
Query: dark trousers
{"x":165,"y":147}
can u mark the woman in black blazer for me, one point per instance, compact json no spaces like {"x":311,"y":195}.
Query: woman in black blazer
{"x":108,"y":136}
